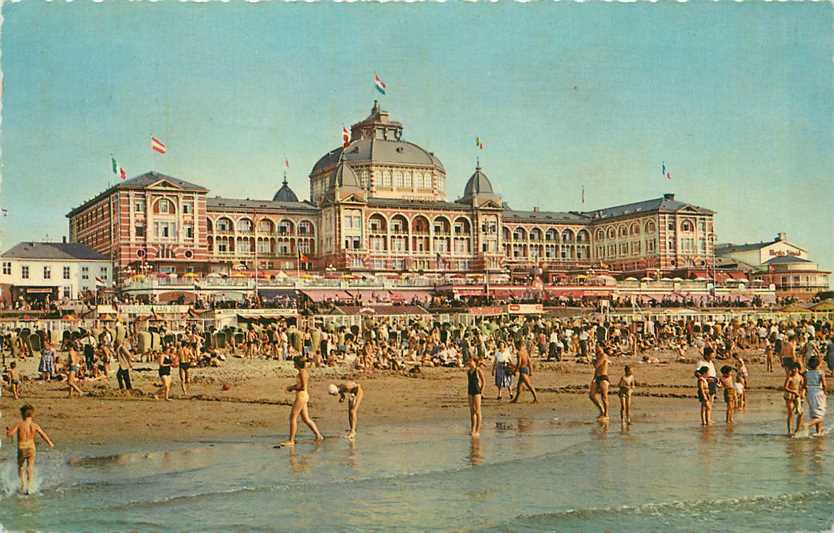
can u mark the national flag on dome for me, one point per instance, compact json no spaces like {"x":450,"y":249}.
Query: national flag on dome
{"x":379,"y":84}
{"x":286,"y":163}
{"x":158,"y":146}
{"x":345,"y":137}
{"x":479,"y":143}
{"x":664,"y":172}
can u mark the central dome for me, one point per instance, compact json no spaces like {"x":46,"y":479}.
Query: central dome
{"x":378,"y":139}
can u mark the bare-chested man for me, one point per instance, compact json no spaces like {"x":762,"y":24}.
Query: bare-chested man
{"x":354,"y":393}
{"x":525,"y":371}
{"x":598,"y":390}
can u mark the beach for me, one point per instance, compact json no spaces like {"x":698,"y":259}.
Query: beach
{"x":256,"y":403}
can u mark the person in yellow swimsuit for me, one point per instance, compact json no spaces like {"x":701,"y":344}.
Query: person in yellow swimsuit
{"x":299,"y":406}
{"x":26,"y":430}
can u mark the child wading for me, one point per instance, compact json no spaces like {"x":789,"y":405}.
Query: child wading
{"x":26,"y":430}
{"x":475,"y":385}
{"x":626,"y":387}
{"x":704,"y":396}
{"x":793,"y":397}
{"x":728,"y":383}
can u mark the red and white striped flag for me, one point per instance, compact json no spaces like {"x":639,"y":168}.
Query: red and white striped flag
{"x":157,"y":145}
{"x":345,"y":137}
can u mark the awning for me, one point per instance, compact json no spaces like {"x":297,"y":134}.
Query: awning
{"x":228,"y":296}
{"x":324,"y":295}
{"x":276,"y":293}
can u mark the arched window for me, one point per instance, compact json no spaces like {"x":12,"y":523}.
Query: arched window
{"x":244,"y":224}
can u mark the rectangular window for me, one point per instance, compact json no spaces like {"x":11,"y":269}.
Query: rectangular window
{"x":66,"y":272}
{"x":103,"y":272}
{"x":7,"y":268}
{"x":85,"y":273}
{"x":244,"y":246}
{"x":166,"y":230}
{"x":24,"y":272}
{"x":67,"y":293}
{"x":187,"y":208}
{"x":263,"y":247}
{"x":47,"y":272}
{"x":139,"y":207}
{"x":189,"y":231}
{"x":222,"y":247}
{"x":139,"y":229}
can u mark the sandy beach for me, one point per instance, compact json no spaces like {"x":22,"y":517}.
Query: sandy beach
{"x":256,"y":403}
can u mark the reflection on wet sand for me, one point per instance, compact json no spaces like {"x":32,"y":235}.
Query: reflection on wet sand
{"x":475,"y":455}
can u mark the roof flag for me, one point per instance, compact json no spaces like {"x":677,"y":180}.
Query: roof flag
{"x":157,"y":145}
{"x":286,"y":163}
{"x":122,"y":173}
{"x":379,"y":84}
{"x":479,"y":143}
{"x":345,"y":137}
{"x":118,"y":170}
{"x":664,"y":172}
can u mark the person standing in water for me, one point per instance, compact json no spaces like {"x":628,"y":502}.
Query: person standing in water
{"x":354,"y":393}
{"x":815,"y":389}
{"x":704,"y":396}
{"x":26,"y":430}
{"x":525,"y":371}
{"x":793,"y":397}
{"x":598,"y":390}
{"x":475,"y":386}
{"x":501,"y":369}
{"x":299,"y":406}
{"x":626,"y":387}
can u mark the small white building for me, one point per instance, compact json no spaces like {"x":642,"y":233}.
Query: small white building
{"x":35,"y":271}
{"x":755,"y":255}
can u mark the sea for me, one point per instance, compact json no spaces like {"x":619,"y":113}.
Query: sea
{"x":522,"y":474}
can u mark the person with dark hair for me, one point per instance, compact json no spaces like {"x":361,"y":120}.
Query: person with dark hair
{"x":598,"y":389}
{"x":704,"y":395}
{"x":299,"y":406}
{"x":26,"y":430}
{"x":728,"y":383}
{"x":525,"y":370}
{"x":793,"y":397}
{"x":815,"y":390}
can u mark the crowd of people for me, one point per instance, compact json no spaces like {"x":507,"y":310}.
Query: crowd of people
{"x":504,"y":346}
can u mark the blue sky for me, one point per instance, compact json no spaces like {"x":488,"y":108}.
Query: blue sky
{"x":736,"y":98}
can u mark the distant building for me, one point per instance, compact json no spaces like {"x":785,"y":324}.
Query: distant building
{"x":379,"y":204}
{"x":36,"y":271}
{"x":754,"y":255}
{"x":794,"y":277}
{"x":778,"y":262}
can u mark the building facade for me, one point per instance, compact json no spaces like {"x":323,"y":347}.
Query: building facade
{"x":54,"y":271}
{"x":380,"y":204}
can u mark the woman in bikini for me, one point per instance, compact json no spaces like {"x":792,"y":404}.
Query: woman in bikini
{"x":299,"y":406}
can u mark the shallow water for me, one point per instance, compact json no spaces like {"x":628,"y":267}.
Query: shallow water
{"x":523,"y":475}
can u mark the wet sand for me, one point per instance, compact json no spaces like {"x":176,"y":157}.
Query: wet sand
{"x":257,"y":403}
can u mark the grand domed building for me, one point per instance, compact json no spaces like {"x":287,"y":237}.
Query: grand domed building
{"x":380,"y":204}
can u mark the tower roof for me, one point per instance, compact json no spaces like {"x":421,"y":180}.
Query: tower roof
{"x":478,"y":188}
{"x":285,"y":194}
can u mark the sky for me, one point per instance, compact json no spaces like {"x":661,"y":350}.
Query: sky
{"x":735,"y":98}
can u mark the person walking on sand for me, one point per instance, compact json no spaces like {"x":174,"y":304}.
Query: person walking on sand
{"x":299,"y":406}
{"x":501,"y":369}
{"x":525,"y":371}
{"x":125,"y":366}
{"x":73,"y":371}
{"x":475,"y":385}
{"x":598,"y":389}
{"x":815,"y":389}
{"x":185,"y":356}
{"x":354,"y":393}
{"x":165,"y":361}
{"x":26,"y":430}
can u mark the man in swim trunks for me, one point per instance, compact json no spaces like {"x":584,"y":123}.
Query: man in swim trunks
{"x":598,"y":389}
{"x":354,"y":393}
{"x":525,"y":371}
{"x":26,"y":430}
{"x":299,"y":406}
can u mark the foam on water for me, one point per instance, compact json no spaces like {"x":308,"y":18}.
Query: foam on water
{"x":525,"y":474}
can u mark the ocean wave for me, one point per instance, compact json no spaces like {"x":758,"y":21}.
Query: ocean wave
{"x":723,"y":512}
